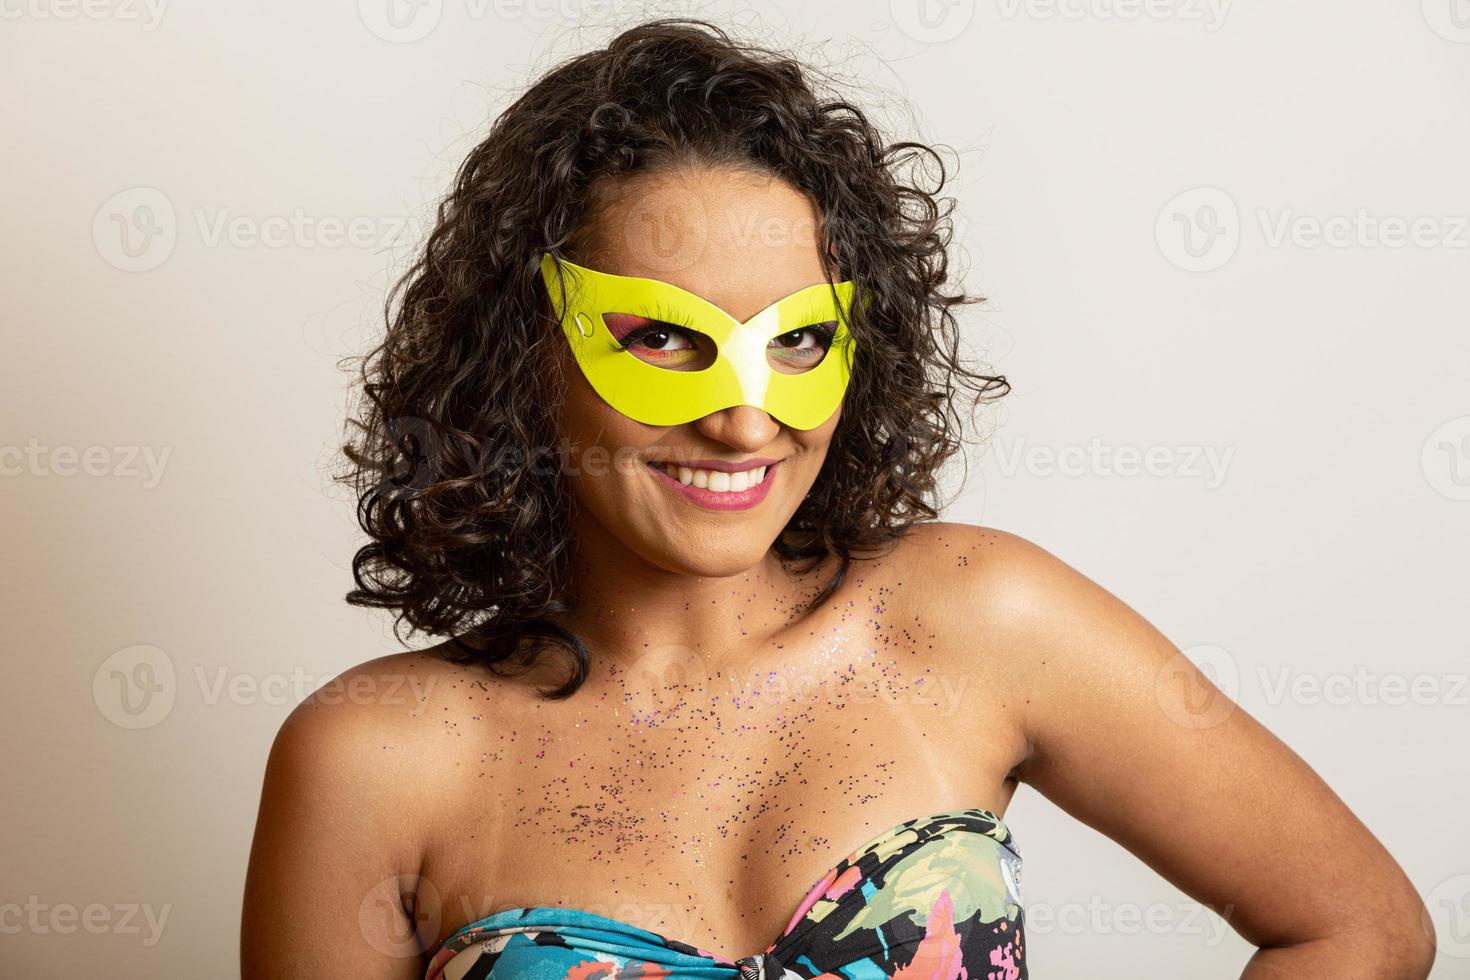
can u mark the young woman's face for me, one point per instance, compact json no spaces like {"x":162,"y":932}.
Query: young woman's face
{"x":741,"y":241}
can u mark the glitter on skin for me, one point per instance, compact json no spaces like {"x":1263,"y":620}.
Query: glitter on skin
{"x":664,"y":771}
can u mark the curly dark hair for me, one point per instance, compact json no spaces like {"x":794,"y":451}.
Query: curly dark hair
{"x":470,"y":523}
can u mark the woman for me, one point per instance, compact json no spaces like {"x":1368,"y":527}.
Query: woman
{"x":654,"y":436}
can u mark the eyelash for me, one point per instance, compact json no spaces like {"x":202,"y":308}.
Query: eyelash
{"x":661,"y":321}
{"x":672,"y":321}
{"x":823,"y":333}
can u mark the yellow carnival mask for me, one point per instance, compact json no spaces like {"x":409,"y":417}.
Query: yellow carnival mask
{"x":608,"y":318}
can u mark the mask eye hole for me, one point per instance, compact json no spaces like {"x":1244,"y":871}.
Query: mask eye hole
{"x":801,"y":349}
{"x":665,"y":345}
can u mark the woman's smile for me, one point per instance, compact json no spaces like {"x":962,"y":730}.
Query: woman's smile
{"x":717,"y":485}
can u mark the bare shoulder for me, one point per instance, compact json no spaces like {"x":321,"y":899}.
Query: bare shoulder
{"x":1040,"y":629}
{"x":999,"y":590}
{"x":333,"y":851}
{"x":1128,"y":736}
{"x":991,"y":611}
{"x":344,"y":744}
{"x":957,"y":558}
{"x":379,"y":697}
{"x":374,"y":726}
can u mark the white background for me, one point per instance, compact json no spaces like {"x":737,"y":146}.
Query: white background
{"x":1229,"y":232}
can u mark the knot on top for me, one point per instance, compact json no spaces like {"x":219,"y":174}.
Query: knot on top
{"x":761,"y":966}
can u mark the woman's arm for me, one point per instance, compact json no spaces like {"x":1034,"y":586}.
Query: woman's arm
{"x":1128,"y":736}
{"x":328,"y":869}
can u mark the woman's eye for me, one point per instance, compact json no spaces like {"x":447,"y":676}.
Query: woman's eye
{"x":664,"y":340}
{"x":802,"y":349}
{"x":658,"y":343}
{"x":662,"y":345}
{"x":798,"y":339}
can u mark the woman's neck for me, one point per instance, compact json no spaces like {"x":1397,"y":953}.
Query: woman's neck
{"x":632,"y":610}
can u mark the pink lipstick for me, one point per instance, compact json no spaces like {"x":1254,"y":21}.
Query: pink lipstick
{"x":718,"y":500}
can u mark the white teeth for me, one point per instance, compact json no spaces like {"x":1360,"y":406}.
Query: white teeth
{"x":717,"y":480}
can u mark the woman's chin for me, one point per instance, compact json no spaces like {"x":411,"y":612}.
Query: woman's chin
{"x":714,"y":556}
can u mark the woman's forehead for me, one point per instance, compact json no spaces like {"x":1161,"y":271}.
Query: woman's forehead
{"x":738,"y":240}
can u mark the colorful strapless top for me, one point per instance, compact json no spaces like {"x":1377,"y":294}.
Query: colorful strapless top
{"x":935,"y":898}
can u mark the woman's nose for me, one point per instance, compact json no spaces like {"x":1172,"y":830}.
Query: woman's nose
{"x":741,"y":427}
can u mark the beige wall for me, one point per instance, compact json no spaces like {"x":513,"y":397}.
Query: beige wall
{"x":170,"y":400}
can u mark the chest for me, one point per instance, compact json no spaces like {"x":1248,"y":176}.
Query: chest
{"x":703,"y":803}
{"x":936,"y":895}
